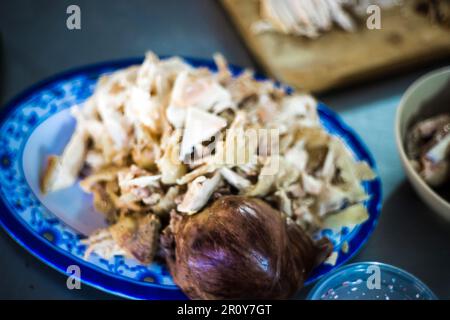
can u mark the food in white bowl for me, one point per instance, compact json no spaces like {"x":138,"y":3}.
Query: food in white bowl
{"x":428,"y":148}
{"x":164,"y":142}
{"x":422,"y":136}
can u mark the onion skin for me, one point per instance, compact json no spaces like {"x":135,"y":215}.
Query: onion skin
{"x":240,"y":248}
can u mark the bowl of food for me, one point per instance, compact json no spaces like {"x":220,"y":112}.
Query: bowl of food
{"x":423,"y":138}
{"x":159,"y":174}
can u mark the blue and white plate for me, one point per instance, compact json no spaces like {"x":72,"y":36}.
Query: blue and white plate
{"x":37,"y":123}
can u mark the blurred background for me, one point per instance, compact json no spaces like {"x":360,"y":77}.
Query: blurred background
{"x":35,"y":43}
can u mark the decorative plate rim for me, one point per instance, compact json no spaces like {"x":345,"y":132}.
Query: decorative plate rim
{"x":126,"y":287}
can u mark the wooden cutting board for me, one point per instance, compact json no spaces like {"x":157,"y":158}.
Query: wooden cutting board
{"x":338,"y":58}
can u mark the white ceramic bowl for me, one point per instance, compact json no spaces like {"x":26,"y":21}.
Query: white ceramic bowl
{"x":429,"y":95}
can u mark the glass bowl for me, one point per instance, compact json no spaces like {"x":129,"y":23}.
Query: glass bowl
{"x":370,"y":281}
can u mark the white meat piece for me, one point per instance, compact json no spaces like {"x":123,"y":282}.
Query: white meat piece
{"x":331,"y":199}
{"x":142,"y":108}
{"x":141,"y":182}
{"x":169,"y":165}
{"x":198,"y":194}
{"x":94,"y":159}
{"x":62,"y":172}
{"x":299,"y":110}
{"x":341,"y":17}
{"x":328,"y":168}
{"x":439,"y":151}
{"x":353,"y":215}
{"x":235,"y":179}
{"x":297,"y":155}
{"x":311,"y":185}
{"x":201,"y":93}
{"x":285,"y":202}
{"x":114,"y":122}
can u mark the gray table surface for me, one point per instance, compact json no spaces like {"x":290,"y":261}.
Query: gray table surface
{"x":36,"y":44}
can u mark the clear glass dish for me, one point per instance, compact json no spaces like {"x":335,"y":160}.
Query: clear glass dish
{"x":370,"y":281}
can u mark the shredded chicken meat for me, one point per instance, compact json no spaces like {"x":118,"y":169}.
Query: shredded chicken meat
{"x":165,"y":137}
{"x":311,"y":18}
